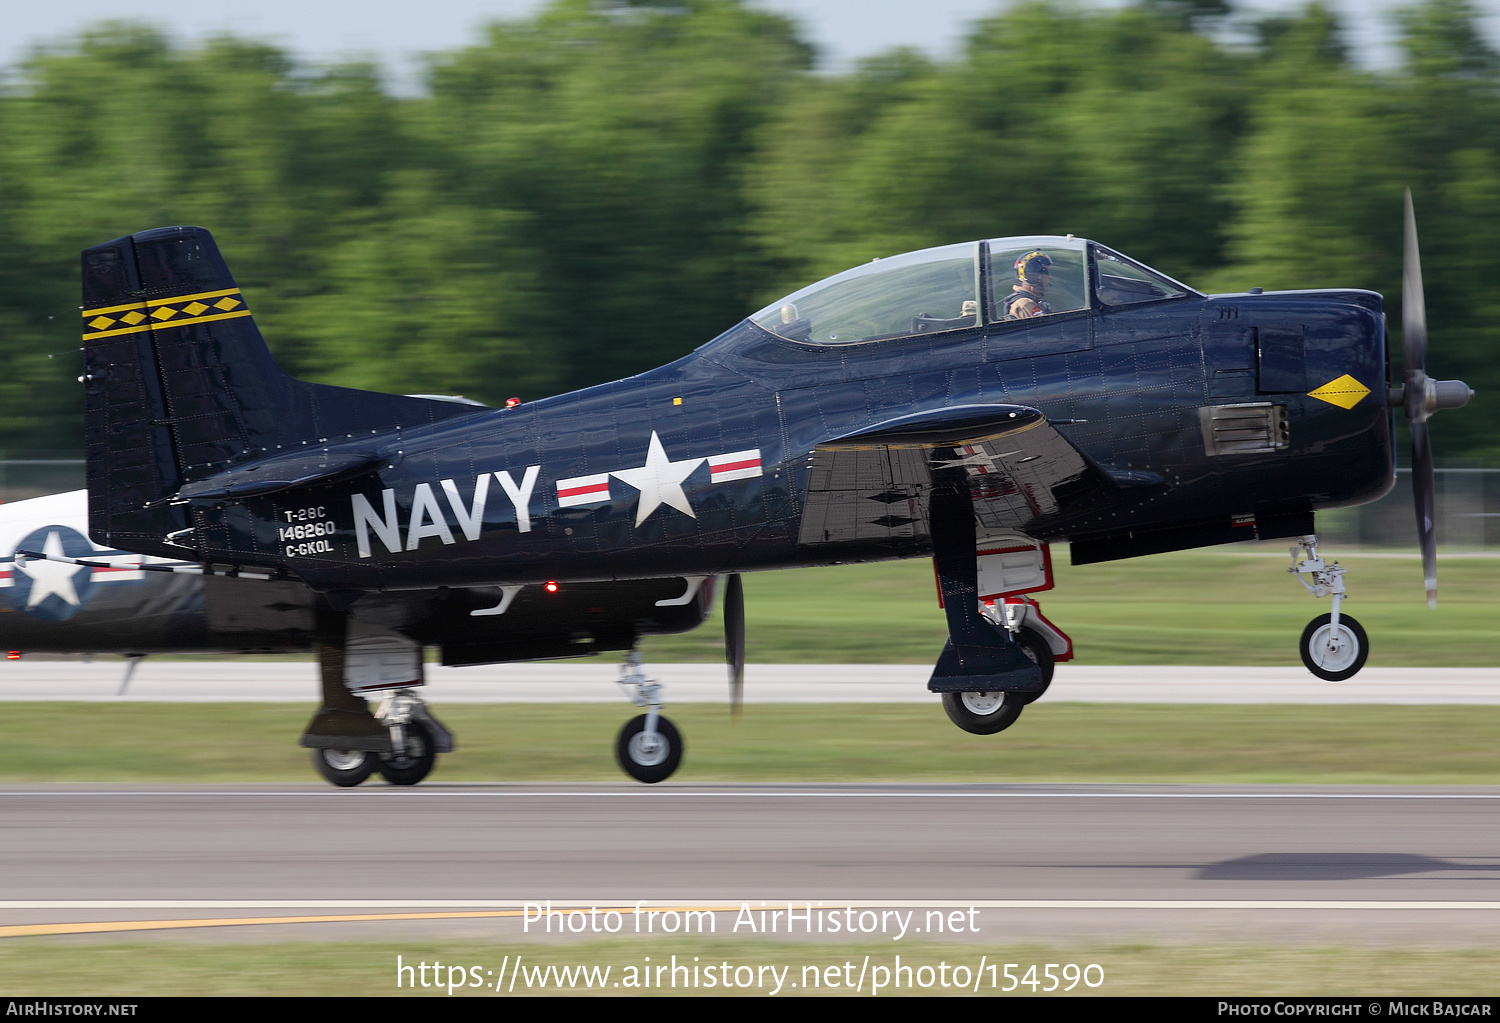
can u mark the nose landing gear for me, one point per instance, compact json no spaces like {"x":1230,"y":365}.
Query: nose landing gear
{"x":649,"y":747}
{"x":1333,"y":646}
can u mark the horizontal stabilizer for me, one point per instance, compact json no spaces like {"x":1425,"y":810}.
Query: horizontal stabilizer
{"x":284,"y":472}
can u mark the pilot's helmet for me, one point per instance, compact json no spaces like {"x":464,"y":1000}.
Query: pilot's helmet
{"x":1032,"y":265}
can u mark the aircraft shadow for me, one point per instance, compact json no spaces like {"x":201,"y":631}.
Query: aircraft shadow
{"x":1332,"y":867}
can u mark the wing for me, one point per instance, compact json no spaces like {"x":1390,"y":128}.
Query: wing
{"x":873,"y":486}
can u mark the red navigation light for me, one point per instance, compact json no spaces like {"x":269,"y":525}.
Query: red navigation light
{"x":14,"y":655}
{"x":512,"y":402}
{"x":551,"y":586}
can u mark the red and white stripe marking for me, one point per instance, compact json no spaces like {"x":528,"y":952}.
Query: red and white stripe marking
{"x":736,"y":465}
{"x":582,"y":490}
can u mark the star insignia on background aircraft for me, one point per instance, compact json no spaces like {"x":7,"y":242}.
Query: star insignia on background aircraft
{"x":52,"y":577}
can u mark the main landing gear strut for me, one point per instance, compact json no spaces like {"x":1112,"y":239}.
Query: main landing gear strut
{"x":649,"y":747}
{"x":1334,"y":646}
{"x":983,"y":674}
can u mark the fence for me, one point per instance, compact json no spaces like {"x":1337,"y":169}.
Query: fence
{"x":1468,"y":514}
{"x":1468,"y":505}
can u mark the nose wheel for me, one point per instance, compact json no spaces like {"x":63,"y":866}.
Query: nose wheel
{"x":649,"y":747}
{"x":650,"y":755}
{"x":1334,"y":646}
{"x":1334,"y":652}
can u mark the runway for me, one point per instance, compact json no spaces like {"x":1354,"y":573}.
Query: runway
{"x":1281,"y":863}
{"x":592,"y":681}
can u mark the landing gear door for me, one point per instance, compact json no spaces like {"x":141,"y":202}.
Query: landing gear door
{"x":376,"y":658}
{"x":1010,"y":565}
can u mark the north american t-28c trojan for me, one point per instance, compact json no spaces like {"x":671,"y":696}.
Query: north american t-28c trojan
{"x":972,"y":403}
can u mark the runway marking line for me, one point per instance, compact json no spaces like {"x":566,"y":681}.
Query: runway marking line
{"x":109,"y":926}
{"x":434,"y":792}
{"x":116,"y":926}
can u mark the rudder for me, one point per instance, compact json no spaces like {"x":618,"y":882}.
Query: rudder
{"x":181,"y":386}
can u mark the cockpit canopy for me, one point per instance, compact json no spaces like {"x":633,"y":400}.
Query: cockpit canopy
{"x":967,"y":285}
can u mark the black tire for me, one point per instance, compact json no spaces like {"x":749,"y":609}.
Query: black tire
{"x":1034,"y":645}
{"x":983,"y":713}
{"x":345,"y":768}
{"x":1351,"y":648}
{"x":413,"y":765}
{"x":643,"y":763}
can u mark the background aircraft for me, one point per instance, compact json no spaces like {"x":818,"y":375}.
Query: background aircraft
{"x":930,"y":403}
{"x":128,"y":604}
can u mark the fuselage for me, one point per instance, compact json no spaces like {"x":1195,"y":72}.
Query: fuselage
{"x":701,"y":466}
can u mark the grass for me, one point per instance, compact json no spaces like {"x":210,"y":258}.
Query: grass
{"x":41,"y":966}
{"x":1223,"y":606}
{"x":178,"y":743}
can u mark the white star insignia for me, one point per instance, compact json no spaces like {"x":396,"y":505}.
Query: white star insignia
{"x":49,"y":577}
{"x":659,"y":481}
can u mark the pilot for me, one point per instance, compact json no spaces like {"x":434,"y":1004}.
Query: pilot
{"x":1034,"y":279}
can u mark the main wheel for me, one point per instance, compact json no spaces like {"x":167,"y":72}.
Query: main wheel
{"x":983,"y":713}
{"x":1034,"y":645}
{"x":413,"y":765}
{"x":649,"y":760}
{"x":1334,"y":654}
{"x":346,"y":768}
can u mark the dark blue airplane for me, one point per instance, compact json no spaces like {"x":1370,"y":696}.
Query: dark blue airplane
{"x":976,"y":398}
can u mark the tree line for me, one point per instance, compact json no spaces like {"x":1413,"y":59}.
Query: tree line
{"x":604,"y":186}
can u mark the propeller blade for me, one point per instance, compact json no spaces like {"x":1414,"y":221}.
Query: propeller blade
{"x":1422,"y":493}
{"x":1413,"y":303}
{"x":734,"y":641}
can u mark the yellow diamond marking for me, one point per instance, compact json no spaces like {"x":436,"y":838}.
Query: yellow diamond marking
{"x":1344,"y":392}
{"x":100,"y":322}
{"x":164,"y":313}
{"x":133,"y":317}
{"x":194,"y":309}
{"x":226,"y":303}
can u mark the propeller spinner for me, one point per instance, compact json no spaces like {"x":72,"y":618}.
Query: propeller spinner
{"x":1421,"y":396}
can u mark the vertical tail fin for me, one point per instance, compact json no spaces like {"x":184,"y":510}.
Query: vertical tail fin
{"x":180,"y":385}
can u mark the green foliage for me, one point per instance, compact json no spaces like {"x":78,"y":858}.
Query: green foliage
{"x":600,"y":188}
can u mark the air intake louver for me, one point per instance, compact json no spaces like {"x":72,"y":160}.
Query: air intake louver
{"x":1244,"y":429}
